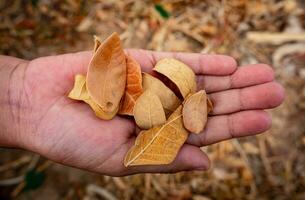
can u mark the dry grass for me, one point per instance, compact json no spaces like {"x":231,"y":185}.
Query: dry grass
{"x":269,"y":166}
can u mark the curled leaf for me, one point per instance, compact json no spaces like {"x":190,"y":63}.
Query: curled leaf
{"x":106,"y":77}
{"x":160,"y":144}
{"x":79,"y":92}
{"x":179,"y":73}
{"x":133,"y":86}
{"x":169,"y":100}
{"x":148,"y":111}
{"x":195,"y":112}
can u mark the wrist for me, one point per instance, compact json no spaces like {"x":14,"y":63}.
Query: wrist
{"x":12,"y":73}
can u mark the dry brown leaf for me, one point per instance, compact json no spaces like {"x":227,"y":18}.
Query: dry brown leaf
{"x":167,"y":97}
{"x":148,"y":111}
{"x":79,"y":92}
{"x":160,"y":144}
{"x":106,"y":77}
{"x":133,"y":86}
{"x":179,"y":73}
{"x":195,"y":112}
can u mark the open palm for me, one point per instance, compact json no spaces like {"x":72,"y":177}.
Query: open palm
{"x":68,"y":132}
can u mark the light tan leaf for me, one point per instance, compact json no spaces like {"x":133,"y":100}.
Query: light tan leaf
{"x":179,"y":73}
{"x":160,"y":144}
{"x":133,"y":86}
{"x":79,"y":92}
{"x":167,"y":97}
{"x":106,"y":77}
{"x":195,"y":112}
{"x":148,"y":111}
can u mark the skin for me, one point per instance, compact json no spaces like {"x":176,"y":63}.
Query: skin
{"x":37,"y":115}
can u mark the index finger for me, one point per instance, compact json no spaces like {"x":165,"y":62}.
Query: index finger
{"x":202,"y":64}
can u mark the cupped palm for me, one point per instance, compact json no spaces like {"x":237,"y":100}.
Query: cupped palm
{"x":68,"y":132}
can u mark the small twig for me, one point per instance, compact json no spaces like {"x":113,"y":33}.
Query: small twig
{"x":34,"y":162}
{"x":40,"y":168}
{"x":20,"y":179}
{"x":18,"y":189}
{"x":263,"y":155}
{"x":285,"y":50}
{"x":15,"y":163}
{"x":244,"y":156}
{"x":94,"y":189}
{"x":147,"y":178}
{"x":159,"y":189}
{"x":275,"y":38}
{"x":12,"y":181}
{"x":119,"y":183}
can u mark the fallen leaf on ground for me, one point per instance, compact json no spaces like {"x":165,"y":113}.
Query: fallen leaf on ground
{"x":179,"y":73}
{"x":133,"y":87}
{"x":160,"y":144}
{"x":148,"y":111}
{"x":195,"y":112}
{"x":167,"y":97}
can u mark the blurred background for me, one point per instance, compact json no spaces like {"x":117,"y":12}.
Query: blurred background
{"x":268,"y":166}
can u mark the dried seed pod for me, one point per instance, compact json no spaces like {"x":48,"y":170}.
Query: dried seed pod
{"x":195,"y":112}
{"x":179,"y":73}
{"x":158,"y":145}
{"x":148,"y":111}
{"x":106,"y":77}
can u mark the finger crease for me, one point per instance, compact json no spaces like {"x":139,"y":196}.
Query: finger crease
{"x":240,"y":99}
{"x":230,"y":82}
{"x":204,"y":139}
{"x":153,"y":59}
{"x":230,"y":125}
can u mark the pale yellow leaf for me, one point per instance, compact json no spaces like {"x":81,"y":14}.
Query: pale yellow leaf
{"x":148,"y":111}
{"x":133,"y":86}
{"x":158,"y":145}
{"x":179,"y":73}
{"x":167,"y":97}
{"x":79,"y":92}
{"x":106,"y":77}
{"x":195,"y":112}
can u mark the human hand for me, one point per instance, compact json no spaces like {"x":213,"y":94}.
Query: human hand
{"x":68,"y":132}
